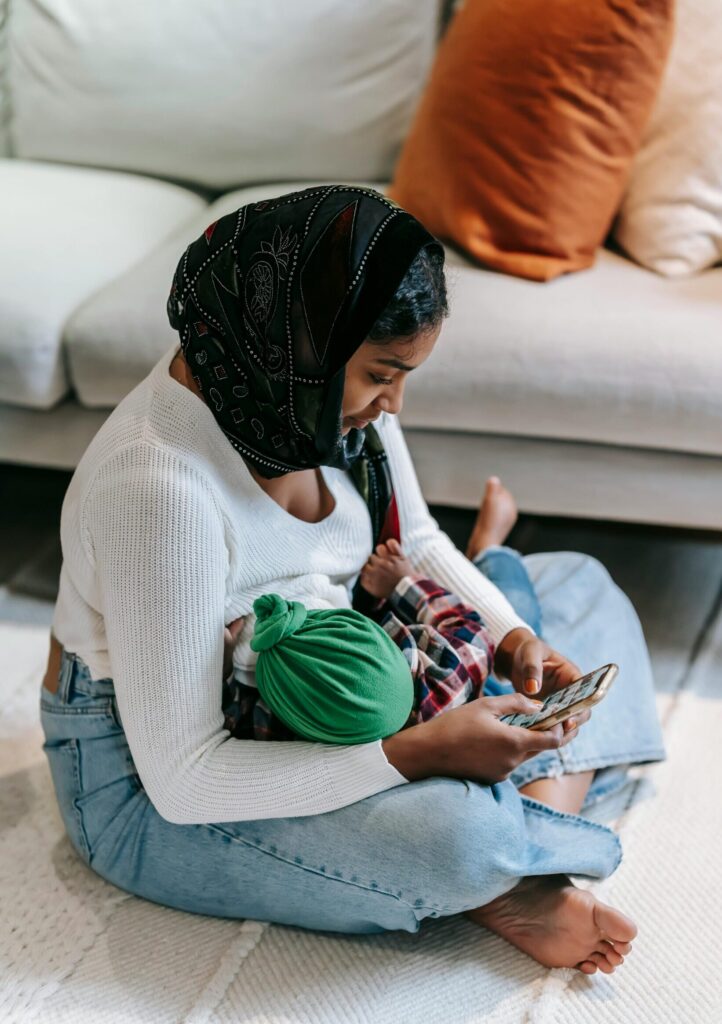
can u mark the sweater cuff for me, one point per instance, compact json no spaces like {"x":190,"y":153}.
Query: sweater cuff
{"x":360,"y":771}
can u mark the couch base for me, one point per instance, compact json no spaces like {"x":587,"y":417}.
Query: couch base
{"x":572,"y":478}
{"x":547,"y":477}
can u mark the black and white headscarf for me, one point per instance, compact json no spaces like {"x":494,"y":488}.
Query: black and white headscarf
{"x":273,"y":300}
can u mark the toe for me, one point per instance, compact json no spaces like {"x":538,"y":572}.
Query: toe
{"x":614,"y":958}
{"x":587,"y":967}
{"x":602,"y":963}
{"x":625,"y":948}
{"x":613,"y":924}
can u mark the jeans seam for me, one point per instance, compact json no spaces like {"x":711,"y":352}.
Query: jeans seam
{"x":321,"y":874}
{"x":588,"y":763}
{"x":54,"y":709}
{"x":75,"y":747}
{"x":630,"y":758}
{"x":545,"y":811}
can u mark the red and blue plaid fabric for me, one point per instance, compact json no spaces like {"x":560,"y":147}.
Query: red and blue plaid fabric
{"x":445,"y":642}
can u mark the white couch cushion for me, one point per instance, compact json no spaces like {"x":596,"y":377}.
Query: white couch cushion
{"x":114,"y":339}
{"x":64,"y":233}
{"x":613,"y":354}
{"x":220,"y":93}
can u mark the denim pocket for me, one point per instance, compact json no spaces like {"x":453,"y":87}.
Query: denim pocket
{"x":64,"y":760}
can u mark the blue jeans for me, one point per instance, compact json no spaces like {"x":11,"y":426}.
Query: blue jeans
{"x":424,"y":849}
{"x":505,"y":567}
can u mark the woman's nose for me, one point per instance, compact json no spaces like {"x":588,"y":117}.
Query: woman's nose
{"x":392,"y":399}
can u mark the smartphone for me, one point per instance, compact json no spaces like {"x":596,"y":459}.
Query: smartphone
{"x":561,"y":704}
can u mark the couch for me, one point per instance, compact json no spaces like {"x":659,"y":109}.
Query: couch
{"x":126,"y":129}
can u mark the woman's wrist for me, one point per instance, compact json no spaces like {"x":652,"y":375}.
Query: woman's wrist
{"x":410,"y":752}
{"x":503,"y":658}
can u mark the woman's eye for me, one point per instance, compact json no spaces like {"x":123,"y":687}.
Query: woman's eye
{"x":381,"y":380}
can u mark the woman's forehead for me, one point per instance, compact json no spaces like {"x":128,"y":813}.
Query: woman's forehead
{"x":403,"y":353}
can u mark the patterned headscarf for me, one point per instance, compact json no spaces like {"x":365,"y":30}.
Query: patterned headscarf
{"x":272,"y":301}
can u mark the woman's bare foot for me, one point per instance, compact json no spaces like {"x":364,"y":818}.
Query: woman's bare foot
{"x":497,"y":515}
{"x":560,"y":925}
{"x":384,"y":569}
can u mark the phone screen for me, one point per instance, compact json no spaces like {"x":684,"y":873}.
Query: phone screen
{"x":560,"y":699}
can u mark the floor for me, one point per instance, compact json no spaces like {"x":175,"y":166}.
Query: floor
{"x":204,"y":969}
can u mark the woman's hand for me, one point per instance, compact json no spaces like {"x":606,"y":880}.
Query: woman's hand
{"x":533,"y":667}
{"x":470,"y":742}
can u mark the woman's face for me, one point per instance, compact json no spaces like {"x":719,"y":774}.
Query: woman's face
{"x":376,"y":376}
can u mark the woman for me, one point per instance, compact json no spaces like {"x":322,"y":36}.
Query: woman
{"x":247,"y":463}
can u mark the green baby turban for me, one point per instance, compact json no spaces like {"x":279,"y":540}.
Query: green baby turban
{"x":332,"y":676}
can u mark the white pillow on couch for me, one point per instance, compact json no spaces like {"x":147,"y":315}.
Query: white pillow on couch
{"x":670,"y":219}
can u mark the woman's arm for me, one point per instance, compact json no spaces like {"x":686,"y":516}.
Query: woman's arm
{"x":157,"y":539}
{"x":431,"y":551}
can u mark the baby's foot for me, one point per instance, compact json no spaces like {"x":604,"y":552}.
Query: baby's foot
{"x":560,"y":925}
{"x":386,"y":566}
{"x":497,"y":515}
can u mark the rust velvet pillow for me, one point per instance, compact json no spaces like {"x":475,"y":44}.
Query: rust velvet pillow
{"x":532,"y":114}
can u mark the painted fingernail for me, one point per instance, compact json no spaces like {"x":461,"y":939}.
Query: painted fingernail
{"x":531,"y":686}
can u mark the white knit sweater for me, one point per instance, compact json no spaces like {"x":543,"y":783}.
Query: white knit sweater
{"x":166,"y":536}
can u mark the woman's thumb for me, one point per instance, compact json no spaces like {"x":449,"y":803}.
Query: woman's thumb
{"x":532,"y":671}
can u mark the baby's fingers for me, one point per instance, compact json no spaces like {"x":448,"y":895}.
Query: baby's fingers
{"x":231,"y":635}
{"x":233,"y":629}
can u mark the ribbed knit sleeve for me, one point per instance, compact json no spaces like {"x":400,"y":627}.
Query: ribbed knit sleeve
{"x":156,"y":536}
{"x":431,"y":551}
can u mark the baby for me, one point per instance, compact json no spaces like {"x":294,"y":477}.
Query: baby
{"x":337,"y":676}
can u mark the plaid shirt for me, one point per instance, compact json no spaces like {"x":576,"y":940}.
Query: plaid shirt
{"x":445,"y":642}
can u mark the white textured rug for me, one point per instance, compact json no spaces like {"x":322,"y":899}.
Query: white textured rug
{"x":73,"y":948}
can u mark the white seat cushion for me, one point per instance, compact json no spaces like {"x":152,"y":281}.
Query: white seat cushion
{"x":64,"y":233}
{"x":116,"y":337}
{"x":221,"y":93}
{"x":613,"y":354}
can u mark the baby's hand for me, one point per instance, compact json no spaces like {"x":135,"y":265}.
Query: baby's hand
{"x":231,"y":636}
{"x":386,"y":566}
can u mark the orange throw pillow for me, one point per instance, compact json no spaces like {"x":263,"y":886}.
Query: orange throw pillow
{"x":533,"y":111}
